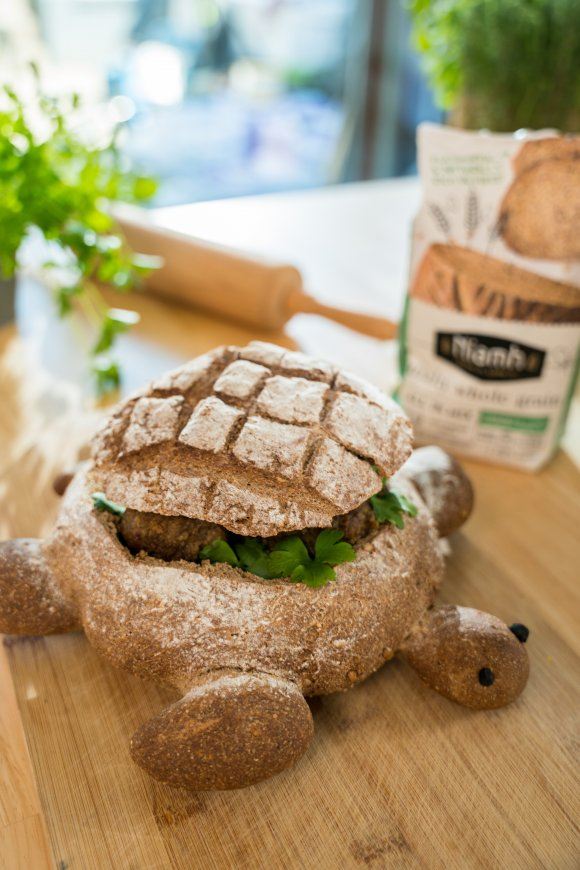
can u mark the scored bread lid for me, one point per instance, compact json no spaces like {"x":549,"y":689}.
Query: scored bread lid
{"x":257,"y":439}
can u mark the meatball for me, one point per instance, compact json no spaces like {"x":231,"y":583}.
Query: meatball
{"x":358,"y":524}
{"x":171,"y":538}
{"x":355,"y":526}
{"x":166,"y":537}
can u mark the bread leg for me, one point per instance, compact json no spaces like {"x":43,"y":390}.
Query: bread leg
{"x":443,"y":486}
{"x":469,"y":656}
{"x":231,"y":729}
{"x":30,"y":600}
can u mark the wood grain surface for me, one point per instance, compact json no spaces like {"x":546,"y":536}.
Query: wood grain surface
{"x":396,"y":776}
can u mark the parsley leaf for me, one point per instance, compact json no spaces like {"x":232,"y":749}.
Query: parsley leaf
{"x":389,"y":506}
{"x":314,"y":574}
{"x":287,"y":555}
{"x":290,"y":558}
{"x":253,"y":557}
{"x":219,"y":551}
{"x":328,"y":549}
{"x":102,"y":503}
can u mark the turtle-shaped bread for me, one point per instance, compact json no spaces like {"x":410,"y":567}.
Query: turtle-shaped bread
{"x":173,"y":552}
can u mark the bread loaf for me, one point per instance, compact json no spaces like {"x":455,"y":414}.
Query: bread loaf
{"x":465,"y":280}
{"x":540,"y":213}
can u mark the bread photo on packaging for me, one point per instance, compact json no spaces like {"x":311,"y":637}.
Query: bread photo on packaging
{"x":540,"y":213}
{"x":254,"y":529}
{"x":461,"y":279}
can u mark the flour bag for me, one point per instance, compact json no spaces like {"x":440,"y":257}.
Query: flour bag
{"x":490,"y":337}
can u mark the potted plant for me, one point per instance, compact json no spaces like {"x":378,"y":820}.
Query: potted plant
{"x":502,"y":64}
{"x":57,"y":185}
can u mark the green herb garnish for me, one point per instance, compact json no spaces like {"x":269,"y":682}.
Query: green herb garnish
{"x":313,"y":573}
{"x":290,"y":558}
{"x":220,"y":551}
{"x":389,"y":506}
{"x":248,"y":554}
{"x":102,"y":503}
{"x":330,"y":547}
{"x":287,"y":555}
{"x":254,"y":557}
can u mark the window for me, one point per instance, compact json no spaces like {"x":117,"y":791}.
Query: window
{"x":231,"y":97}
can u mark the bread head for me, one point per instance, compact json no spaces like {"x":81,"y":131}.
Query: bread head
{"x":258,"y":439}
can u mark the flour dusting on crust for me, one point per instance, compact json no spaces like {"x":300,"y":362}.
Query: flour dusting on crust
{"x":269,"y":438}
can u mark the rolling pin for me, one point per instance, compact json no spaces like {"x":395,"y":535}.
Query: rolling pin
{"x":227,"y":283}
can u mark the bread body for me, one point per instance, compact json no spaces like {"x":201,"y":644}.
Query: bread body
{"x":172,"y":622}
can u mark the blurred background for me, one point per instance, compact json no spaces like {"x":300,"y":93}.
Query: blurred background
{"x":173,"y":103}
{"x":225,"y":98}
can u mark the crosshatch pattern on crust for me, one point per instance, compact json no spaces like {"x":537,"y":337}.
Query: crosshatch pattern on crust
{"x":269,"y":440}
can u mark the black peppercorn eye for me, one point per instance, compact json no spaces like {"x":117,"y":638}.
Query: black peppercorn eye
{"x":522,"y":632}
{"x":486,"y":677}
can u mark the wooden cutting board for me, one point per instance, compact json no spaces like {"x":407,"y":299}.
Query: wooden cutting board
{"x":396,"y":777}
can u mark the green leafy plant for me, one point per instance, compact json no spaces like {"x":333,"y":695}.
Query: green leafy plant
{"x":288,"y":558}
{"x":220,"y":551}
{"x":253,"y":557}
{"x":55,"y":182}
{"x":389,"y":506}
{"x":502,"y":64}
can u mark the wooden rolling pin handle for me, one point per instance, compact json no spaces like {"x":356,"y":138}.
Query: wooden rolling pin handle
{"x":299,"y":302}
